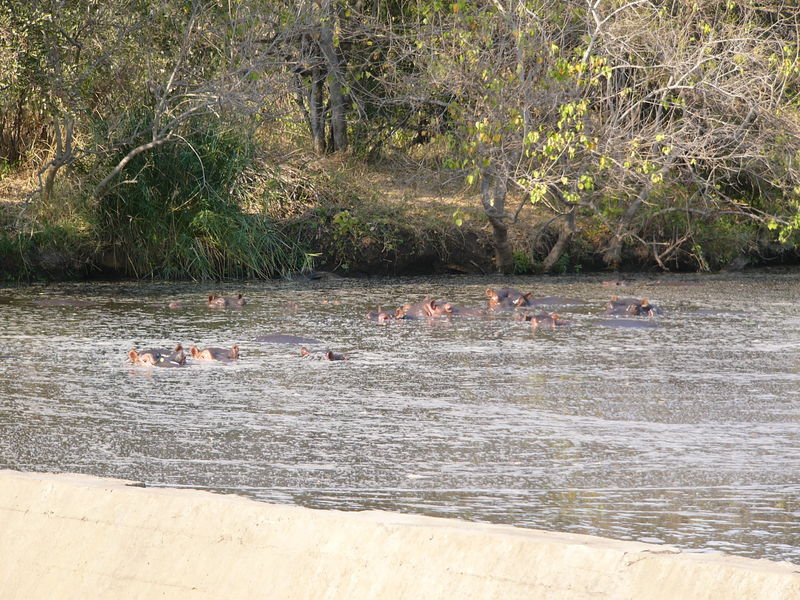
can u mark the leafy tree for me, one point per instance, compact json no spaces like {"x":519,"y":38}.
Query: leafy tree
{"x":623,"y":112}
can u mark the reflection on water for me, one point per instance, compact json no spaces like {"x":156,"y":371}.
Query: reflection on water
{"x":685,"y":434}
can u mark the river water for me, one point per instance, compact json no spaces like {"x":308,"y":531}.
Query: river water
{"x":687,"y":433}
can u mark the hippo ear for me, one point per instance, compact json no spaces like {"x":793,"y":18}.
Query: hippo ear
{"x":133,"y":355}
{"x":304,"y":351}
{"x":490,"y":292}
{"x":178,"y":348}
{"x":194,"y":351}
{"x":234,"y":353}
{"x":645,"y":302}
{"x":614,"y":298}
{"x":329,"y":355}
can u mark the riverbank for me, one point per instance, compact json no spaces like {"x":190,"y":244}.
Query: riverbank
{"x":350,"y":218}
{"x":77,"y":536}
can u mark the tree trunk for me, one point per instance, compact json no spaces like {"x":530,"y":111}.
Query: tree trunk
{"x":494,"y":207}
{"x":335,"y":78}
{"x":317,"y":109}
{"x":63,"y":155}
{"x":568,"y":229}
{"x":612,"y":255}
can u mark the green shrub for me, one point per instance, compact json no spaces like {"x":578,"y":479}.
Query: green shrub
{"x":180,"y":217}
{"x":523,"y":264}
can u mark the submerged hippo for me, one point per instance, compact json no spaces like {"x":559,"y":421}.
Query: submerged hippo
{"x":215,"y":301}
{"x":69,"y":302}
{"x":555,"y":301}
{"x":618,"y":282}
{"x":551,"y":320}
{"x":507,"y":298}
{"x":628,"y":323}
{"x":285,"y":338}
{"x":322,"y":354}
{"x":220,"y":354}
{"x":158,"y":357}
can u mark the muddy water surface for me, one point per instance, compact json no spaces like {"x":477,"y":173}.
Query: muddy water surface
{"x":687,"y":433}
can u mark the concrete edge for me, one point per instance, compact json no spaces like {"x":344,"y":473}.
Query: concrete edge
{"x":71,"y":535}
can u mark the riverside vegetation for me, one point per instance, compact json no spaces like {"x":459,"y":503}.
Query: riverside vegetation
{"x":203,"y":139}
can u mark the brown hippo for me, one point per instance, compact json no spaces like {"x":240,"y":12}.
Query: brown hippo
{"x":215,"y":301}
{"x":322,"y":354}
{"x":220,"y":354}
{"x":631,"y":307}
{"x":426,"y":308}
{"x":158,"y":357}
{"x":507,"y":298}
{"x":432,"y":308}
{"x":381,"y":316}
{"x":644,"y":309}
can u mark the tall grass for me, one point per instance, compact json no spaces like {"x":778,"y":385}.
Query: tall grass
{"x":179,"y":216}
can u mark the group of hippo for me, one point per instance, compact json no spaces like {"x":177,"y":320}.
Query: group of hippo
{"x":500,"y":299}
{"x":509,"y":298}
{"x":157,"y":357}
{"x":177,"y":357}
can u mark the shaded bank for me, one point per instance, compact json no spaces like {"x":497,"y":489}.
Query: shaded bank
{"x":274,"y":217}
{"x":81,"y":536}
{"x":377,"y":248}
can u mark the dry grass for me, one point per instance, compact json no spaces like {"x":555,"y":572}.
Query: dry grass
{"x":15,"y":191}
{"x":408,"y":186}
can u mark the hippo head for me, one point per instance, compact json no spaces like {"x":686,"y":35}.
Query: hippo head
{"x":446,"y":308}
{"x":641,"y":308}
{"x":523,"y":300}
{"x":540,"y":320}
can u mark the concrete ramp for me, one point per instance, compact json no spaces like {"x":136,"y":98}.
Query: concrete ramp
{"x":74,"y":536}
